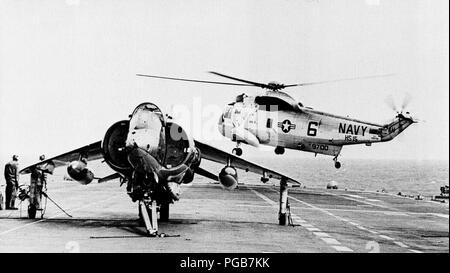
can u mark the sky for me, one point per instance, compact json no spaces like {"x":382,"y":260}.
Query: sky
{"x":68,"y":68}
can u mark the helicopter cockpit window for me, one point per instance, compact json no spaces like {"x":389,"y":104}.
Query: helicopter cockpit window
{"x":273,"y":104}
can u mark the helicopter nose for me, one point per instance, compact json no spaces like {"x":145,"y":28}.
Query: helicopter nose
{"x":221,"y":126}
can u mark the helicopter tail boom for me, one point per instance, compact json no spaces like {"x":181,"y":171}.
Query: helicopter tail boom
{"x":393,"y":129}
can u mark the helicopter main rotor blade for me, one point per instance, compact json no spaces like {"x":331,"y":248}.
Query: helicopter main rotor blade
{"x":189,"y":80}
{"x":271,"y":86}
{"x":340,"y":80}
{"x":262,"y":85}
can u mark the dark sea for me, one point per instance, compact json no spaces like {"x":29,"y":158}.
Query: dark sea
{"x":411,"y":177}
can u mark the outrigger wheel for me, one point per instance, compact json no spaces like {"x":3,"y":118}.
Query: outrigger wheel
{"x":237,"y":151}
{"x":279,"y":150}
{"x":32,"y":211}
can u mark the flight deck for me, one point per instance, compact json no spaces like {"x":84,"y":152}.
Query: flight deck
{"x":210,"y":219}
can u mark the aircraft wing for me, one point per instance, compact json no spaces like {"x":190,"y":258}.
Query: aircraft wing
{"x":91,"y":152}
{"x":211,"y":153}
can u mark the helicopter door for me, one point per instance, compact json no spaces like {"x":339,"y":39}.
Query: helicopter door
{"x":265,"y":126}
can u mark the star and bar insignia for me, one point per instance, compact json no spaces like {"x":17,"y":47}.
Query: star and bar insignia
{"x":286,"y":126}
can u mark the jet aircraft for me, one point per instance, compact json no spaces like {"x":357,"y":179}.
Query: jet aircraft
{"x":154,"y":155}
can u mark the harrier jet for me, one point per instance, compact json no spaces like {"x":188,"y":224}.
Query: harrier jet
{"x":154,"y":155}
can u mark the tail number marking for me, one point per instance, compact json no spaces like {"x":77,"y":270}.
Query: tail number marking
{"x":319,"y":147}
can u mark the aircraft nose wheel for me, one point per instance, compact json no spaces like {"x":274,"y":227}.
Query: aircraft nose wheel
{"x":32,"y":211}
{"x":279,"y":150}
{"x":237,"y":151}
{"x":337,"y":164}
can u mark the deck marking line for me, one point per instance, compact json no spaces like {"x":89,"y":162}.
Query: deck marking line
{"x":313,"y":229}
{"x":401,"y":244}
{"x":337,"y":217}
{"x":386,"y":237}
{"x":335,"y":243}
{"x":342,"y":248}
{"x":265,"y":198}
{"x":355,"y":196}
{"x":440,"y":215}
{"x":330,"y":241}
{"x":322,"y":234}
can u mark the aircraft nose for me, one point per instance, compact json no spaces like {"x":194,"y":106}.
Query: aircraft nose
{"x":221,"y":120}
{"x":220,"y":125}
{"x":147,"y":131}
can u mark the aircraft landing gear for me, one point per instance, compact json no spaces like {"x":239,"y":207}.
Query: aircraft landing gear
{"x":284,"y":214}
{"x":237,"y":151}
{"x":147,"y":211}
{"x":164,"y":212}
{"x":279,"y":150}
{"x":337,"y":164}
{"x":32,"y":211}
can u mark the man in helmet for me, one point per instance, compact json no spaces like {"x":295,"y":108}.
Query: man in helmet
{"x":12,"y":182}
{"x":38,"y":183}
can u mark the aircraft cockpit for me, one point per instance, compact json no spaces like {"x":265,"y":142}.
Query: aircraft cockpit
{"x":147,"y":130}
{"x":276,"y":101}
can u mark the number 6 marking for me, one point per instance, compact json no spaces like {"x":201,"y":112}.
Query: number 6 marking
{"x":312,"y":131}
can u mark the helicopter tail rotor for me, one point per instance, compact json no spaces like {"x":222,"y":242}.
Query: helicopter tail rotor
{"x":401,"y":112}
{"x":393,"y":106}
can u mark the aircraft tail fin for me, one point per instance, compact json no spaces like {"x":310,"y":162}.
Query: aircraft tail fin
{"x":393,"y":129}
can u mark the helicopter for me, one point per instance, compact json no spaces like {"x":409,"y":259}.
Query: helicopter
{"x":276,"y":119}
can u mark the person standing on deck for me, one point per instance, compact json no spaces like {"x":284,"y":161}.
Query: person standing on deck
{"x":12,"y":182}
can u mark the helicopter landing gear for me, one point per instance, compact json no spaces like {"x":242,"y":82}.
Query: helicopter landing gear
{"x":279,"y":150}
{"x":237,"y":151}
{"x":337,"y":164}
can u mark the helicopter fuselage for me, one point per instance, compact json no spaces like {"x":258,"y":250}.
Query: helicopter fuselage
{"x":281,"y":122}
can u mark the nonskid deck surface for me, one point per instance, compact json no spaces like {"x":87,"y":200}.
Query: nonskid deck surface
{"x":209,"y":219}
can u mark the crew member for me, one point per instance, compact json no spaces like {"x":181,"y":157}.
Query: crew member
{"x":12,"y":182}
{"x":38,"y":182}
